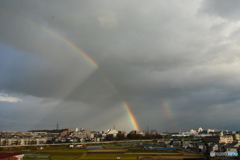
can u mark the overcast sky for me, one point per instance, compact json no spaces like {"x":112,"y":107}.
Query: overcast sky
{"x":175,"y":63}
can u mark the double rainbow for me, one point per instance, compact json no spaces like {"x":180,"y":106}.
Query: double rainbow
{"x":78,"y":50}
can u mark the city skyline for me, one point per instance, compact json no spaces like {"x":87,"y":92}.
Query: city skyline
{"x":167,"y":65}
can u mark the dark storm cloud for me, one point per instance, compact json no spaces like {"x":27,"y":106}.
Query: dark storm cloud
{"x":148,"y":53}
{"x":134,"y":29}
{"x":33,"y":75}
{"x":225,"y":9}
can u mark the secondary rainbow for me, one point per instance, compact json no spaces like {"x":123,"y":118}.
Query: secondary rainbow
{"x":168,"y":113}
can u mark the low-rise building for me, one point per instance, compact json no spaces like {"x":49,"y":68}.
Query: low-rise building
{"x":219,"y":139}
{"x":22,"y":141}
{"x":236,"y":137}
{"x":232,"y":147}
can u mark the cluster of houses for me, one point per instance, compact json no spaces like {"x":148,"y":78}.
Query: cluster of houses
{"x":214,"y":141}
{"x":201,"y":147}
{"x":202,"y":140}
{"x":12,"y":138}
{"x":82,"y":135}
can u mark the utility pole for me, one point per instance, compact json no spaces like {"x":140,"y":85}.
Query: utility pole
{"x":57,"y":126}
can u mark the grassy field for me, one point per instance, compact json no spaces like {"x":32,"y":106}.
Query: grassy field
{"x":109,"y":152}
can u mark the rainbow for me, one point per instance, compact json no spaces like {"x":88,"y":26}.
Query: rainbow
{"x":69,"y":43}
{"x":131,"y":116}
{"x":169,"y":115}
{"x":57,"y":35}
{"x":85,"y":55}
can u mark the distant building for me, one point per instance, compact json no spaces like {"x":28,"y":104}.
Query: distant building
{"x":192,"y":131}
{"x":210,"y":130}
{"x":121,"y":135}
{"x":112,"y":132}
{"x":232,"y":147}
{"x":200,"y":147}
{"x":22,"y":141}
{"x":65,"y":132}
{"x":236,"y":137}
{"x":109,"y":134}
{"x":219,"y":139}
{"x":134,"y":132}
{"x":82,"y":134}
{"x":200,"y":129}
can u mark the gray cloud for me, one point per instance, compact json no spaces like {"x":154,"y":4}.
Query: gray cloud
{"x":225,"y":9}
{"x":147,"y":52}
